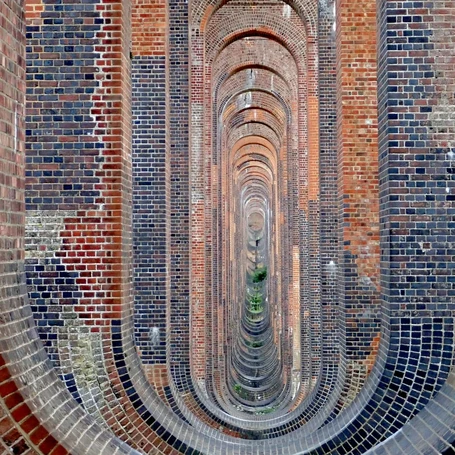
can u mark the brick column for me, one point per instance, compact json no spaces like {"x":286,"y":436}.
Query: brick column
{"x":38,"y":415}
{"x":330,"y":313}
{"x":151,"y":198}
{"x":78,"y":164}
{"x":358,"y":179}
{"x":180,"y":206}
{"x":417,"y":156}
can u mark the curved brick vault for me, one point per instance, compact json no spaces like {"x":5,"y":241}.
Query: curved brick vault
{"x":227,"y":227}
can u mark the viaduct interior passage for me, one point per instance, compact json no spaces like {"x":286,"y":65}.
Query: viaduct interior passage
{"x":227,"y":227}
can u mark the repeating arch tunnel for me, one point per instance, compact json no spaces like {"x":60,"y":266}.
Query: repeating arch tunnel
{"x":227,"y":227}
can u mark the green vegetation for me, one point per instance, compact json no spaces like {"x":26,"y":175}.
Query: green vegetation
{"x":255,"y":302}
{"x":255,"y":298}
{"x":257,"y":344}
{"x":266,"y":410}
{"x":260,"y":274}
{"x":254,"y":344}
{"x":239,"y":390}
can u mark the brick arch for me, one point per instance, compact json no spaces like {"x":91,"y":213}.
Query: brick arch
{"x":241,"y":149}
{"x":239,"y":68}
{"x":241,"y":146}
{"x":253,"y":80}
{"x":235,"y":87}
{"x":203,"y":10}
{"x":317,"y":400}
{"x":256,"y":129}
{"x":254,"y":170}
{"x":252,"y":27}
{"x":271,"y":55}
{"x":259,"y":116}
{"x":273,"y":101}
{"x":197,"y":126}
{"x":242,"y":162}
{"x":250,"y":173}
{"x":251,"y":113}
{"x":252,"y":140}
{"x":240,"y":154}
{"x":264,"y":98}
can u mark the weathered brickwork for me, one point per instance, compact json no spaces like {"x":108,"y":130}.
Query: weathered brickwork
{"x":38,"y":413}
{"x":234,"y":221}
{"x":63,"y":176}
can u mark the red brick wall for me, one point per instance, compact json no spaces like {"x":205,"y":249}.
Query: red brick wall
{"x":358,"y":173}
{"x":149,"y":23}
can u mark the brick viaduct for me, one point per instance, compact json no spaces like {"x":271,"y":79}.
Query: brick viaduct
{"x":227,"y":227}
